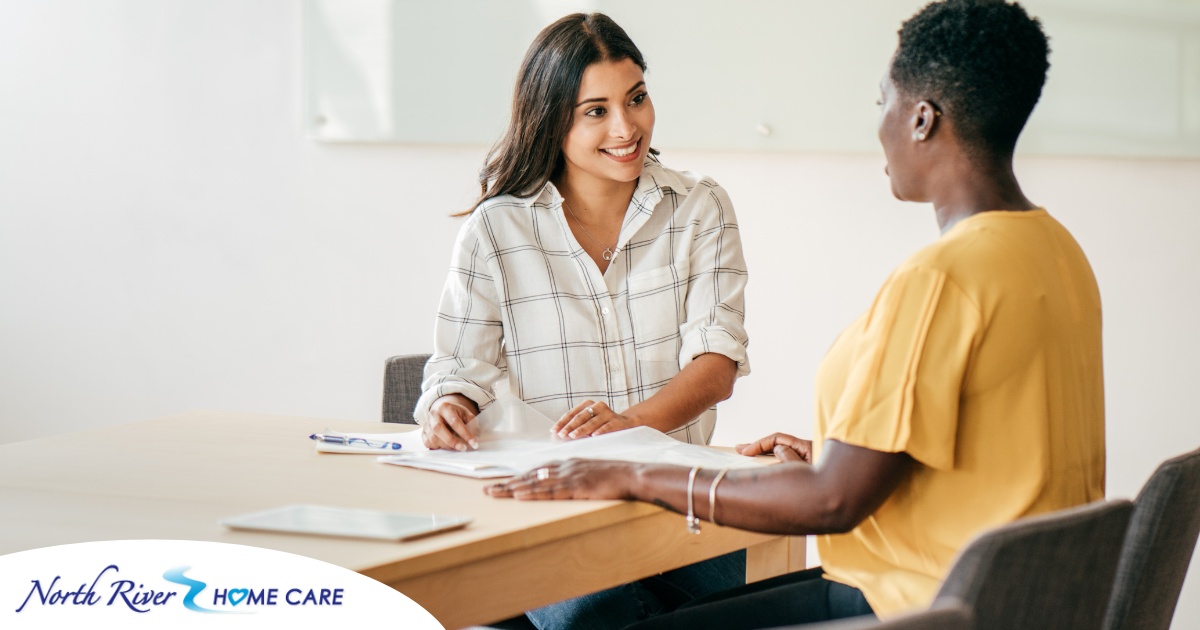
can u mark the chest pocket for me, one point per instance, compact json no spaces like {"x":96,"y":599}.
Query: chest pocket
{"x":656,"y":307}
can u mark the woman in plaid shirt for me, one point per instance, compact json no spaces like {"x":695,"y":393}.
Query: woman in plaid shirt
{"x":604,"y":288}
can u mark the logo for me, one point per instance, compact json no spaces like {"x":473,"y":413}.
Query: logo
{"x":191,"y":584}
{"x":111,"y":588}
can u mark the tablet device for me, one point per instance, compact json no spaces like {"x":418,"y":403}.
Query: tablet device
{"x":325,"y":520}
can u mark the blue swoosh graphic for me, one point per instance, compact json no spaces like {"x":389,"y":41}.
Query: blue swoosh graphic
{"x":194,"y":587}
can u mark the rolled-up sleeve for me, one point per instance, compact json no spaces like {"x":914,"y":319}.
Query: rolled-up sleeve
{"x":468,"y":355}
{"x":715,"y":305}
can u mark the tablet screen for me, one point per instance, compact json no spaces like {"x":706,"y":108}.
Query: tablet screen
{"x":350,"y":522}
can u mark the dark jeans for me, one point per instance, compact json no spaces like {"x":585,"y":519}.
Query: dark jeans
{"x":794,"y":598}
{"x":618,"y":607}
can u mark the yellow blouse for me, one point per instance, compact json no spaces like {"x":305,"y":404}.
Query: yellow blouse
{"x":981,"y":359}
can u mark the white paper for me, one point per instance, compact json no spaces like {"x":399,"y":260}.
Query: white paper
{"x":515,"y":438}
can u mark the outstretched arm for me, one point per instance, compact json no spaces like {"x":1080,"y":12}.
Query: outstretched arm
{"x":844,"y":488}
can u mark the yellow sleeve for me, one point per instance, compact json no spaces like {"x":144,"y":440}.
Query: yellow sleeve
{"x":905,"y":378}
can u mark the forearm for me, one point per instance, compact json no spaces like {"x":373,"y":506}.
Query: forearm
{"x":787,"y":499}
{"x":834,"y":496}
{"x":704,"y":382}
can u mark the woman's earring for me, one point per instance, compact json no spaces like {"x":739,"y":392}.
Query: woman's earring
{"x":918,"y":135}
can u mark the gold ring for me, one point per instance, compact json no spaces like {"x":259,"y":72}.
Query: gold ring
{"x":591,"y":411}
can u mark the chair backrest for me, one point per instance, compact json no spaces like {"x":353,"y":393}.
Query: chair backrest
{"x":1052,"y":571}
{"x":1158,"y":547}
{"x":402,"y":386}
{"x":945,"y":614}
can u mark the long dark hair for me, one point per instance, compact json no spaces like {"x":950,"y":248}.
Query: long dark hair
{"x":529,"y":154}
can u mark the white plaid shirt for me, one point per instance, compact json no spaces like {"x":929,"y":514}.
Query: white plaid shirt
{"x":524,"y":301}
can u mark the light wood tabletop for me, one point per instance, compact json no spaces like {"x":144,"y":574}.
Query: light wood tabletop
{"x":174,"y":477}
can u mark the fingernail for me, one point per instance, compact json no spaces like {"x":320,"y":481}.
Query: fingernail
{"x":460,"y":447}
{"x":474,"y":443}
{"x":574,"y":434}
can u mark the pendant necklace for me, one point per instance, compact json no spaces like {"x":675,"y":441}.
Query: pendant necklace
{"x":607,"y":254}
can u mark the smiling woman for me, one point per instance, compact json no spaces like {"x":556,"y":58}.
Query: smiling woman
{"x":604,"y":289}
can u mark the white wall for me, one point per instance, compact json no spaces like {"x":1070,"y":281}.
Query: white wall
{"x":168,"y":242}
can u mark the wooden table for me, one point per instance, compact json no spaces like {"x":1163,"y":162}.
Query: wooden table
{"x":173,"y":478}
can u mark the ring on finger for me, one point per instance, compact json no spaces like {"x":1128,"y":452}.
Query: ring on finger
{"x":543,"y":474}
{"x":591,"y":411}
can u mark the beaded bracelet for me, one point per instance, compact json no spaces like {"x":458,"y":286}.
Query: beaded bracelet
{"x":693,"y":523}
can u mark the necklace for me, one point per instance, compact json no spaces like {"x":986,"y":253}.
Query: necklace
{"x":607,"y":254}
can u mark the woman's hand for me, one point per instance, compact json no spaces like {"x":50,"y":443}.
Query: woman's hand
{"x":572,"y":479}
{"x":590,"y":418}
{"x":446,"y":427}
{"x":786,"y":447}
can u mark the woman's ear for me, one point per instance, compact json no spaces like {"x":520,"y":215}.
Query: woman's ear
{"x":925,"y":120}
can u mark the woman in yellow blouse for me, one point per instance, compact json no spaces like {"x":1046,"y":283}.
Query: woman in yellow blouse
{"x":969,"y":395}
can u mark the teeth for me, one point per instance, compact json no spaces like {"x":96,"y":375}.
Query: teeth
{"x":621,"y":152}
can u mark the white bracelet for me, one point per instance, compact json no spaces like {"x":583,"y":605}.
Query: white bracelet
{"x":712,"y":496}
{"x":693,"y":523}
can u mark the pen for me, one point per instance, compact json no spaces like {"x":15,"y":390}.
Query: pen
{"x":354,"y":441}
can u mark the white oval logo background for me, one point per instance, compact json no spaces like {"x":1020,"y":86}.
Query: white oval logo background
{"x":192,"y":584}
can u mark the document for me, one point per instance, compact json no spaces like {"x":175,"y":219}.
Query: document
{"x":514,"y":438}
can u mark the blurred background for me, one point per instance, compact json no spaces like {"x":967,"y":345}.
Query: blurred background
{"x":243,"y":205}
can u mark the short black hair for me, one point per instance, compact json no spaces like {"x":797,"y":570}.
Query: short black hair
{"x":983,"y":62}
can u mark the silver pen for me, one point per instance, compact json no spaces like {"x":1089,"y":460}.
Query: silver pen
{"x":354,"y":441}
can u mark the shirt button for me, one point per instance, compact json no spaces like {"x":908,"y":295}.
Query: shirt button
{"x":604,"y":310}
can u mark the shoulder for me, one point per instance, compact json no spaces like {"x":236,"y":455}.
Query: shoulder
{"x":690,"y":196}
{"x":505,"y":206}
{"x":963,"y":248}
{"x":682,"y":183}
{"x":506,"y":212}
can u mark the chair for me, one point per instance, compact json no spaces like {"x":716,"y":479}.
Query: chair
{"x":402,"y":378}
{"x":1158,"y":547}
{"x":1052,"y":571}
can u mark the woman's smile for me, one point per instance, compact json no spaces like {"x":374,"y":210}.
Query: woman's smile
{"x":624,"y":153}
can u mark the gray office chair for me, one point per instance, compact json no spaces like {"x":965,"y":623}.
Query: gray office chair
{"x":1158,"y":547}
{"x":402,"y":378}
{"x":1053,"y":571}
{"x":945,"y":614}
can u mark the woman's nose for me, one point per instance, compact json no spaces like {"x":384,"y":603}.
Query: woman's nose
{"x":622,"y":125}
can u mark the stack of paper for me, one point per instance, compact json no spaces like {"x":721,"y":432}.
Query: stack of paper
{"x":507,"y":453}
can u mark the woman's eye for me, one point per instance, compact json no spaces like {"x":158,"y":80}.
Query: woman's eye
{"x":639,"y":98}
{"x":595,"y":112}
